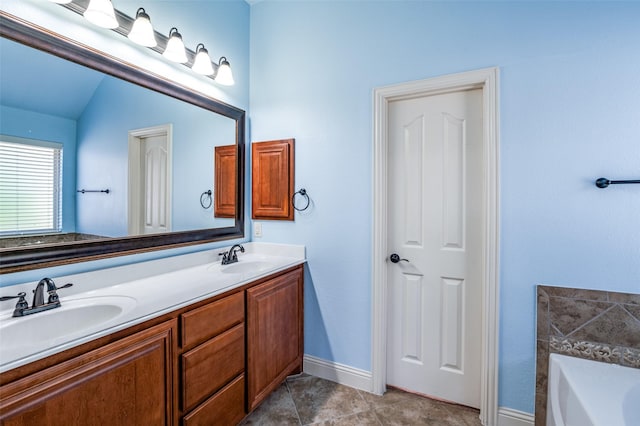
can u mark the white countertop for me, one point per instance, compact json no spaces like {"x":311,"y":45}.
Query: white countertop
{"x":144,"y":290}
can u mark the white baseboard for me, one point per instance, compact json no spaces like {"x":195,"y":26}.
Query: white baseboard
{"x":509,"y":417}
{"x":361,"y":379}
{"x":336,"y":372}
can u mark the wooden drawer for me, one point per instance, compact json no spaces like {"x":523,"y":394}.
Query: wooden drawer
{"x":203,"y":323}
{"x":224,"y":408}
{"x":210,"y":366}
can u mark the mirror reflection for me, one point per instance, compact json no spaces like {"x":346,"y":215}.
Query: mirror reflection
{"x":156,"y":155}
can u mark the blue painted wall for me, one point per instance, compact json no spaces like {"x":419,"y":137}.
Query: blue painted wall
{"x":570,"y":112}
{"x":118,"y":107}
{"x":45,"y":127}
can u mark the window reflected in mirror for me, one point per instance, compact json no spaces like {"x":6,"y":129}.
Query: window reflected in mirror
{"x":30,"y":186}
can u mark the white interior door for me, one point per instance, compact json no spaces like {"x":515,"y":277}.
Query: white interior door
{"x":149,"y":198}
{"x":435,"y":223}
{"x":155,"y":184}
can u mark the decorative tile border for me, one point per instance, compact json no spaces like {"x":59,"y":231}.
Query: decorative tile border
{"x":631,"y":357}
{"x":586,"y":350}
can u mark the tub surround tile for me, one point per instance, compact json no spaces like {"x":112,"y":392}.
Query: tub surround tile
{"x":625,"y":298}
{"x":615,"y":326}
{"x":542,"y":314}
{"x":568,"y":315}
{"x":591,"y":324}
{"x":553,"y":331}
{"x":576,"y":293}
{"x":541,"y":409}
{"x":634,"y":310}
{"x":542,"y":357}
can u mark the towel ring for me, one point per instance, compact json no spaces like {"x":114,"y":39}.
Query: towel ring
{"x":302,"y":192}
{"x":204,"y":199}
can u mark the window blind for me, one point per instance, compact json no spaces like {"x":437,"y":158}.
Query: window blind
{"x":30,"y":186}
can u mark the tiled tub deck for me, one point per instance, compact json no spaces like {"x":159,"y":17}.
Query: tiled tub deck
{"x":590,"y":324}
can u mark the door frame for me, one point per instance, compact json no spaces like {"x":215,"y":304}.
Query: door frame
{"x":487,"y":80}
{"x":134,"y":201}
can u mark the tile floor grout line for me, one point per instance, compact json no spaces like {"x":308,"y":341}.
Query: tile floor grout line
{"x":293,"y":401}
{"x":372,"y":408}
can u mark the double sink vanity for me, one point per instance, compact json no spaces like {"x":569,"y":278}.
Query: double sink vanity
{"x":181,"y":340}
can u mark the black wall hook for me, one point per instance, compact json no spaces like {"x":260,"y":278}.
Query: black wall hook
{"x":604,"y":182}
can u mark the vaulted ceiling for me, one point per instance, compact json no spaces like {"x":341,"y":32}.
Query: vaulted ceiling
{"x":39,"y":82}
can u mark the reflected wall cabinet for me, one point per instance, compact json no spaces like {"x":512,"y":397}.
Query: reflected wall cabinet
{"x":272,"y":179}
{"x":225,"y":180}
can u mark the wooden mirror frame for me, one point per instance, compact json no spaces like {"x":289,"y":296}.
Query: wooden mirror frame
{"x":35,"y":257}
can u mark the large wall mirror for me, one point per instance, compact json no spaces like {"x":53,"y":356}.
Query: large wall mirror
{"x":154,"y":145}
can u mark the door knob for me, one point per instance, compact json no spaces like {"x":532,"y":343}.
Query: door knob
{"x":395,"y":258}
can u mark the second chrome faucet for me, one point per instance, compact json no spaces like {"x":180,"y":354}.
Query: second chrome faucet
{"x":231,"y":256}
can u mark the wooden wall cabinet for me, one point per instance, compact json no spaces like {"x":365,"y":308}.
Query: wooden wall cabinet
{"x":128,"y":382}
{"x":272,"y":179}
{"x":274,"y":334}
{"x":225,"y":163}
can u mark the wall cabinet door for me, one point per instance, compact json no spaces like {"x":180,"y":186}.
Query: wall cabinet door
{"x":225,"y":170}
{"x":272,"y":179}
{"x":128,"y":382}
{"x":274,"y":334}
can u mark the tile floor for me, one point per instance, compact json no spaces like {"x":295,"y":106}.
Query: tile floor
{"x":309,"y":400}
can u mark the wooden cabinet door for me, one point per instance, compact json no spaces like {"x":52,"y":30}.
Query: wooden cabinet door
{"x":272,"y":179}
{"x":274,"y":334}
{"x":128,"y":382}
{"x":225,"y":172}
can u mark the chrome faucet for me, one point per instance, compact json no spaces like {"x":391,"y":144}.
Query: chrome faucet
{"x":22,"y":307}
{"x":232,"y":255}
{"x":38,"y":293}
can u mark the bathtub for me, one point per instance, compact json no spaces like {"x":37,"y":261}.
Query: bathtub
{"x":591,"y":393}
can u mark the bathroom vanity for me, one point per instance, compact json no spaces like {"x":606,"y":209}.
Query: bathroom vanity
{"x":209,"y":359}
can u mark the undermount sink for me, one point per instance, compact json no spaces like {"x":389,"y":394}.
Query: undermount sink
{"x":53,"y":326}
{"x":246,"y":266}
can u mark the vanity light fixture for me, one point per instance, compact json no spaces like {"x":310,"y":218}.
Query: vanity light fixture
{"x":224,"y":75}
{"x":101,"y":13}
{"x":202,"y":63}
{"x":142,"y":32}
{"x":175,"y":47}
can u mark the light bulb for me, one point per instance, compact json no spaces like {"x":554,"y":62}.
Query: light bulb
{"x":142,"y":32}
{"x":101,"y":13}
{"x":224,"y":76}
{"x":175,"y":47}
{"x":202,"y":63}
